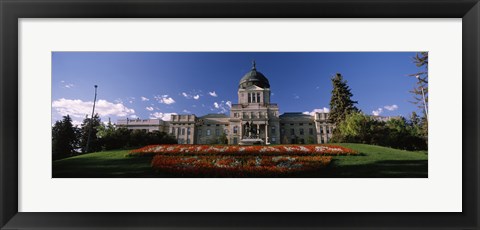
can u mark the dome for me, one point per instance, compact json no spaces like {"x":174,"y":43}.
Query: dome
{"x":254,"y":78}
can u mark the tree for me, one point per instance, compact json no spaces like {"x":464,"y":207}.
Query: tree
{"x":341,"y":103}
{"x":396,"y":132}
{"x":421,"y":87}
{"x":355,"y":128}
{"x":95,"y":144}
{"x":420,"y":91}
{"x":64,"y":138}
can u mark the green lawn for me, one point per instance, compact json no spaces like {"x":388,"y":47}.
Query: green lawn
{"x":374,"y":161}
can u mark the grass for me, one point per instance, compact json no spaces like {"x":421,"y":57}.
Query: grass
{"x":373,"y":162}
{"x":102,"y":165}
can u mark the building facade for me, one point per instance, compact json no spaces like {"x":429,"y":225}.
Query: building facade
{"x":253,"y":117}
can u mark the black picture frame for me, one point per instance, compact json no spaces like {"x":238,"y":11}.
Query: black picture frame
{"x":11,"y":11}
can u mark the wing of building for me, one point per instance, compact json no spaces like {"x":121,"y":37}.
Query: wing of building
{"x":254,"y":117}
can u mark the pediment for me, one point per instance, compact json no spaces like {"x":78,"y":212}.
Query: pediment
{"x":253,"y":87}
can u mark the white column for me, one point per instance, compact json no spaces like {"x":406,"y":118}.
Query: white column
{"x":266,"y":133}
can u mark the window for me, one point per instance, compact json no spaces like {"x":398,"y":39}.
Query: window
{"x":292,"y":131}
{"x":301,"y":131}
{"x":208,"y":132}
{"x":258,"y":97}
{"x":188,"y":131}
{"x":199,"y":132}
{"x":321,"y":129}
{"x":183,"y":131}
{"x":291,"y":124}
{"x":217,"y":132}
{"x":328,"y":130}
{"x":310,"y":131}
{"x":309,"y":123}
{"x":178,"y":131}
{"x":235,"y":129}
{"x":273,"y":140}
{"x":301,"y":124}
{"x":235,"y":141}
{"x":282,"y":131}
{"x":273,"y":129}
{"x":249,"y":98}
{"x":173,"y":130}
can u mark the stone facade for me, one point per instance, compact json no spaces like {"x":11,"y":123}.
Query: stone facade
{"x":254,"y":116}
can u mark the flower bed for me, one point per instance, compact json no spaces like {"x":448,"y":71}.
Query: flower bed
{"x":231,"y":150}
{"x":237,"y":166}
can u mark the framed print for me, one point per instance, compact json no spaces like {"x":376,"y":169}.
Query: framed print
{"x":239,"y":114}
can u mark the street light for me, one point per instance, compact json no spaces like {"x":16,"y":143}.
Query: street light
{"x":423,"y":95}
{"x":91,"y":121}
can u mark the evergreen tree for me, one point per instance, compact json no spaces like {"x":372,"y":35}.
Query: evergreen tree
{"x":64,"y":138}
{"x":420,"y":91}
{"x":95,"y":144}
{"x":341,"y":103}
{"x":421,"y":61}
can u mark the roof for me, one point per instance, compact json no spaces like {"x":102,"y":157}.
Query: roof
{"x":215,"y":115}
{"x":254,"y":77}
{"x":295,"y":114}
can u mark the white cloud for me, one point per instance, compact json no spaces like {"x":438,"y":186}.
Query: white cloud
{"x":213,"y":94}
{"x":144,"y":99}
{"x":163,"y":116}
{"x":222,"y":107}
{"x":67,"y":85}
{"x":78,"y":108}
{"x":391,"y":107}
{"x":377,"y":112}
{"x":130,"y":100}
{"x":134,"y":116}
{"x":324,"y":110}
{"x":195,"y":94}
{"x":186,"y":111}
{"x":149,"y":108}
{"x":164,"y":99}
{"x":76,"y":122}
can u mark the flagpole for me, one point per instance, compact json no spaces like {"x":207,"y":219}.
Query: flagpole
{"x":91,"y":121}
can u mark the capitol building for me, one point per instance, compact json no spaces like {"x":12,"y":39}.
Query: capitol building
{"x":253,"y":118}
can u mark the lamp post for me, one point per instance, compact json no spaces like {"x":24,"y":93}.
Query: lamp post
{"x":423,"y":95}
{"x":91,"y":121}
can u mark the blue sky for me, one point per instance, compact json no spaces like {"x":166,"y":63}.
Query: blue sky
{"x":157,"y":84}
